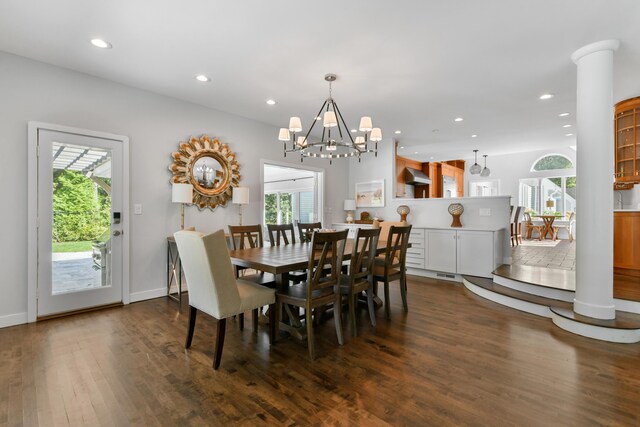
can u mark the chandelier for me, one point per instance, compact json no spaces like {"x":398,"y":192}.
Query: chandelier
{"x":336,"y":141}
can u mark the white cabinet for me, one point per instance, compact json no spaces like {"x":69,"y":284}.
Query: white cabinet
{"x":339,"y":226}
{"x":472,"y":252}
{"x":415,"y":254}
{"x":441,"y":250}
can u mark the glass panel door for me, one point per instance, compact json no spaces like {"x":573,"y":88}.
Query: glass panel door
{"x":79,"y":209}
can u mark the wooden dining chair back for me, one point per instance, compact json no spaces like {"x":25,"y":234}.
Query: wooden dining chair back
{"x":306,"y":230}
{"x":278,"y":233}
{"x":530,"y":227}
{"x":360,"y":276}
{"x":568,"y":226}
{"x":245,"y":237}
{"x":213,"y":288}
{"x":322,"y":286}
{"x":385,"y":227}
{"x":392,"y":266}
{"x":516,"y":227}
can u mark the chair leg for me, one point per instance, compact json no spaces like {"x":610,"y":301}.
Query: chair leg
{"x":222,"y":323}
{"x":387,"y":303}
{"x":403,"y":291}
{"x":273,"y":323}
{"x":192,"y":325}
{"x":352,"y":313}
{"x":254,"y":319}
{"x":241,"y":321}
{"x":372,"y":312}
{"x":309,"y":316}
{"x":337,"y":315}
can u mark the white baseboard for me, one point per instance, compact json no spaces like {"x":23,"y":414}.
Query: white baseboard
{"x":150,"y":294}
{"x":13,"y":319}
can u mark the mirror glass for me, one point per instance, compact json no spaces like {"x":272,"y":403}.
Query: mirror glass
{"x":208,"y":172}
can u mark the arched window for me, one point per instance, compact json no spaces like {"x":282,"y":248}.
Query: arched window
{"x":552,"y":162}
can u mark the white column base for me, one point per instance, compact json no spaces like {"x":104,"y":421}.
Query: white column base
{"x":605,"y":312}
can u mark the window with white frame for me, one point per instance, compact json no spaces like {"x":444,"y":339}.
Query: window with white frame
{"x":550,"y":195}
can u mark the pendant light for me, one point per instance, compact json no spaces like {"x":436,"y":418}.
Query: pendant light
{"x":475,"y":169}
{"x":486,"y":171}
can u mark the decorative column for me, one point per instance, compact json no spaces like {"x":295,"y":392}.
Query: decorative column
{"x":594,"y":115}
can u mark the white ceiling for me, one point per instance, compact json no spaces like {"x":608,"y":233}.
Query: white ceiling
{"x":411,"y":65}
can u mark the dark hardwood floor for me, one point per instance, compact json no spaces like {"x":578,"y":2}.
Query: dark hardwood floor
{"x":453,"y":359}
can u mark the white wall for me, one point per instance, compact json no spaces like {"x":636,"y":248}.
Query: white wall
{"x":424,"y":212}
{"x":630,"y":198}
{"x":31,"y":90}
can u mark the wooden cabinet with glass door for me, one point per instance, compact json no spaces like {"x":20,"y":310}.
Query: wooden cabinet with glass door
{"x":627,"y":141}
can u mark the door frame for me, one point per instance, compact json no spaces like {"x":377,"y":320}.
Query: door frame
{"x":32,"y":208}
{"x":320,"y":187}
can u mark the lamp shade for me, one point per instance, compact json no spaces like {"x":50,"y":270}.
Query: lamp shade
{"x":284,"y":134}
{"x":330,"y":119}
{"x":359,"y":141}
{"x":240,"y":195}
{"x":550,"y":203}
{"x":365,"y":124}
{"x":349,"y":205}
{"x":295,"y":125}
{"x":182,"y":193}
{"x":376,"y":135}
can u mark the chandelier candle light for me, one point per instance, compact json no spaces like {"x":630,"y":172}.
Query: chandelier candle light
{"x":334,"y":143}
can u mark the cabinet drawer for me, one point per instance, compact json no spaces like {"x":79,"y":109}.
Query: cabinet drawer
{"x":414,"y":263}
{"x":416,"y":242}
{"x":414,"y":252}
{"x":417,"y":232}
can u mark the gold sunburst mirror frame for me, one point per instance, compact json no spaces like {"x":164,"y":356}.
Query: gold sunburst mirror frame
{"x":210,"y":166}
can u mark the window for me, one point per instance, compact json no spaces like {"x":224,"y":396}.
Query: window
{"x":291,"y":194}
{"x":555,"y":194}
{"x":552,"y":162}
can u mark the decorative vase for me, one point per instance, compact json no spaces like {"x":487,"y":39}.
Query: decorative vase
{"x":403,"y":210}
{"x":456,"y":209}
{"x":349,"y":218}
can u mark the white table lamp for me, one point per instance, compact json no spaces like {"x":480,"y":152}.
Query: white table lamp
{"x":182,"y":193}
{"x":240,"y":197}
{"x":349,"y":206}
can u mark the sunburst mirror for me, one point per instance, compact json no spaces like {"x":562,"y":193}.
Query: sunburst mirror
{"x":210,"y":167}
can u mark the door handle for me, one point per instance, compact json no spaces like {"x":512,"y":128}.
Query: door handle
{"x":117,"y":233}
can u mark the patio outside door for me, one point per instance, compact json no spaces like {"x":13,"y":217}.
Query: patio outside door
{"x":80,"y":216}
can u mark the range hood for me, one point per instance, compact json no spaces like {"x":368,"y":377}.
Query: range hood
{"x":415,"y":177}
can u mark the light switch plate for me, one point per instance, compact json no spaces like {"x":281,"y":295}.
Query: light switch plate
{"x":485,"y":211}
{"x":137,"y":209}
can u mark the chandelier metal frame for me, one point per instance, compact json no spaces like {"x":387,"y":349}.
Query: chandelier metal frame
{"x":330,"y":146}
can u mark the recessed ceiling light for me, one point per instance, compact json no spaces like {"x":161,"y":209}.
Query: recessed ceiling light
{"x":271,"y":102}
{"x":458,"y":119}
{"x":563,"y":114}
{"x":474,"y":136}
{"x":101,"y":43}
{"x":431,"y":158}
{"x":566,"y":126}
{"x":202,"y":78}
{"x":398,"y":132}
{"x":401,"y":147}
{"x":415,"y":152}
{"x":546,"y":96}
{"x":352,"y":130}
{"x":568,"y":134}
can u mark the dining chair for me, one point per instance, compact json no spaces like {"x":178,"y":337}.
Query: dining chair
{"x":326,"y":250}
{"x":281,"y":231}
{"x":530,"y":227}
{"x":392,"y":266}
{"x":516,"y":227}
{"x":360,"y":276}
{"x":250,"y":236}
{"x":278,"y":235}
{"x":307,"y":229}
{"x":214,"y":289}
{"x":568,"y":226}
{"x":385,"y":227}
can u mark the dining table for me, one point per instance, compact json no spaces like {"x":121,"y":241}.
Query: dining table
{"x":281,"y":261}
{"x":547,"y":221}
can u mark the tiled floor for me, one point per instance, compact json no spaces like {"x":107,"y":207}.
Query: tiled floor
{"x":559,"y":254}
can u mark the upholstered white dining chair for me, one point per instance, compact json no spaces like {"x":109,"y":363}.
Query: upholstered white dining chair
{"x":213,"y":287}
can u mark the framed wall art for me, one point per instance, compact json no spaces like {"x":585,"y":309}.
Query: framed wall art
{"x":370,"y":194}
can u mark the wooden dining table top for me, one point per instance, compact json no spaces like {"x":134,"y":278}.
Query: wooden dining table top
{"x":286,"y":258}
